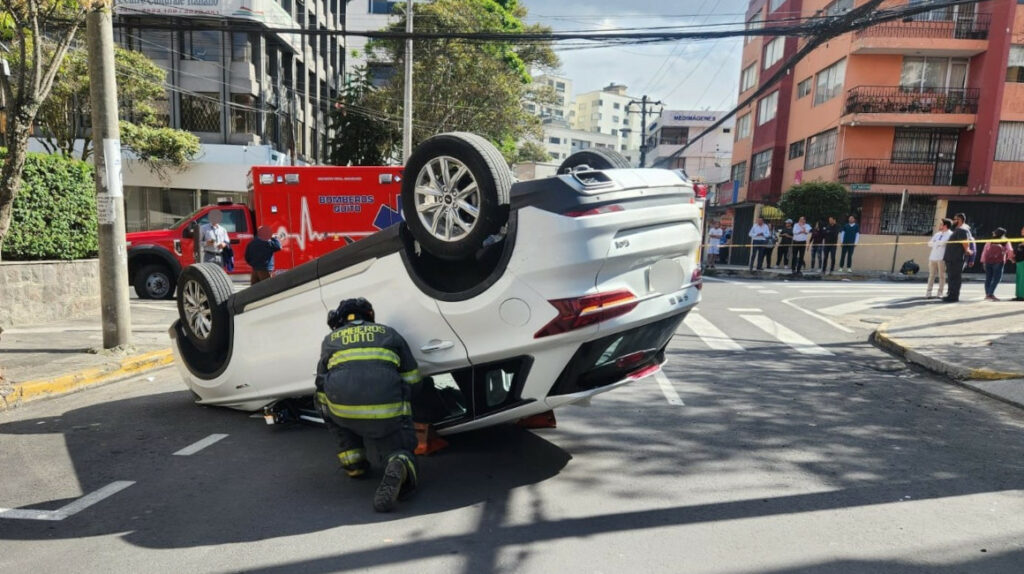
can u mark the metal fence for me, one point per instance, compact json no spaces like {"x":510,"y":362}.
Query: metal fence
{"x":966,"y":27}
{"x":900,"y":100}
{"x":885,"y":171}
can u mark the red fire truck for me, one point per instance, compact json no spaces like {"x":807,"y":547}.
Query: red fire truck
{"x":315,"y":210}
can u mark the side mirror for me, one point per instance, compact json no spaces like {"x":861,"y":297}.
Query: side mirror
{"x":189,"y":232}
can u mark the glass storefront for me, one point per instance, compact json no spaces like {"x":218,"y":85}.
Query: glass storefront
{"x":148,"y":208}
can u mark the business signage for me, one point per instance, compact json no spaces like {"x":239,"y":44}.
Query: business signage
{"x":268,"y":12}
{"x":693,"y":118}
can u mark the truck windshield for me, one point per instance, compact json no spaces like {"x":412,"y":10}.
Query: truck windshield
{"x":179,"y":221}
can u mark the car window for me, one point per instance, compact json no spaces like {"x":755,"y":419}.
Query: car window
{"x":234,"y":221}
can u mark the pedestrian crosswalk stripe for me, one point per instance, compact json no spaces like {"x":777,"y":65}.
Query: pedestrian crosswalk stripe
{"x":711,"y":335}
{"x":853,"y":307}
{"x":668,"y":390}
{"x":786,"y":335}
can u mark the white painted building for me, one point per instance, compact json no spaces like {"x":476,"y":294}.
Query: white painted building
{"x":368,"y":15}
{"x":560,"y":140}
{"x":607,"y":112}
{"x":563,"y":89}
{"x":707,"y":160}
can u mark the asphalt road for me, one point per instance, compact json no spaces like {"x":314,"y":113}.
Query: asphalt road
{"x":778,"y":440}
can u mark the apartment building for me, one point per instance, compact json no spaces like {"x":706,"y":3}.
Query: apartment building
{"x":560,"y":109}
{"x":253,"y":96}
{"x":365,"y":15}
{"x":932,"y":104}
{"x":707,"y":160}
{"x":607,"y":111}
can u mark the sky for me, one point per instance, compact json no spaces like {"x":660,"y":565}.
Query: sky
{"x":686,"y":74}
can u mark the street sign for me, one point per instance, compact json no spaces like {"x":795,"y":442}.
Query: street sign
{"x":860,"y":187}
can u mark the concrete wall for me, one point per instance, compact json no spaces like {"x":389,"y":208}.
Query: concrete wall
{"x":874,"y":252}
{"x":43,"y":291}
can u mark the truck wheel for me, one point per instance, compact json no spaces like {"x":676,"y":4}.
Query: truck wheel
{"x":154,"y":282}
{"x":202,"y":305}
{"x":595,"y":158}
{"x":455,"y":194}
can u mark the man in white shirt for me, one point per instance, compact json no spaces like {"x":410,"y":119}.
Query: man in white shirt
{"x":801,"y":233}
{"x":214,"y":238}
{"x":936,"y":266}
{"x":759,"y":235}
{"x":714,"y":241}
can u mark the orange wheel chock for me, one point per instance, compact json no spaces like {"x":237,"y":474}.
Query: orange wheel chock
{"x":427,"y":439}
{"x":539,"y":421}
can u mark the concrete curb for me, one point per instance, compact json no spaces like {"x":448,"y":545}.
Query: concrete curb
{"x":18,"y":393}
{"x":882,"y":339}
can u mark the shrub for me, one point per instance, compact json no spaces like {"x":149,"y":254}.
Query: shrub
{"x":816,"y":200}
{"x":54,"y":214}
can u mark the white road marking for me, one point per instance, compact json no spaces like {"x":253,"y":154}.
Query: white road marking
{"x":169,"y":307}
{"x":815,"y":315}
{"x":70,"y":509}
{"x":768,"y":292}
{"x":854,"y":307}
{"x":668,"y":389}
{"x":717,"y":280}
{"x":795,"y":340}
{"x":710,"y":334}
{"x":740,"y":310}
{"x":200,"y":445}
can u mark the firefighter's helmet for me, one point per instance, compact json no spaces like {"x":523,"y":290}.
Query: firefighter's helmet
{"x":350,"y":310}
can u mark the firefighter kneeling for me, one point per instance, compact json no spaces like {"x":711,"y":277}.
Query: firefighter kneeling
{"x":364,"y":384}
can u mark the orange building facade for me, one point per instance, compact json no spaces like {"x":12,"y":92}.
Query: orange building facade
{"x":932,"y":104}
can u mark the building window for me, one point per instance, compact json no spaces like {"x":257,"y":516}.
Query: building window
{"x":918,"y":216}
{"x":829,"y":82}
{"x":551,"y":140}
{"x":796,"y":149}
{"x":933,"y":74}
{"x":243,"y":114}
{"x":559,"y":86}
{"x":379,"y":74}
{"x":748,"y":78}
{"x":755,"y":23}
{"x":615,"y":132}
{"x":739,"y":173}
{"x":382,"y":6}
{"x":767,"y":107}
{"x":241,"y":47}
{"x":838,"y":8}
{"x":1015,"y":65}
{"x":743,"y":127}
{"x":924,"y":145}
{"x":616,"y":106}
{"x":674,"y":136}
{"x":1010,"y":146}
{"x":821,"y":149}
{"x":762,"y":167}
{"x":803,"y":88}
{"x":773,"y":52}
{"x":774,"y":5}
{"x":615,"y":119}
{"x":155,"y":44}
{"x":201,"y":45}
{"x":726,"y":130}
{"x":200,"y":112}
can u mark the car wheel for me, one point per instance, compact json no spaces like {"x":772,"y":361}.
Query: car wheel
{"x":154,"y":282}
{"x":595,"y":158}
{"x":455,"y":194}
{"x":202,"y":308}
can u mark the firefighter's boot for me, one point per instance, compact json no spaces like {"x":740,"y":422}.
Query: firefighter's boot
{"x":386,"y":497}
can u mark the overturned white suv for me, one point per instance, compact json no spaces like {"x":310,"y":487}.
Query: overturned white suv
{"x":515,"y":298}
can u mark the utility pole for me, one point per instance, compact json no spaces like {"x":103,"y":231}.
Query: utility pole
{"x":646,"y":108}
{"x":106,"y":147}
{"x":407,"y":107}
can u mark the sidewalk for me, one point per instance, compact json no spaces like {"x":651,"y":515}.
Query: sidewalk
{"x":57,"y":358}
{"x":779,"y":273}
{"x":977,"y":344}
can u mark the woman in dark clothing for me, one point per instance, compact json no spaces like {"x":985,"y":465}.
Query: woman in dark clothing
{"x":817,"y":240}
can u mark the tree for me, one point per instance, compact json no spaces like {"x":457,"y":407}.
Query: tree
{"x":531,"y":151}
{"x":816,"y":200}
{"x":364,"y":137}
{"x":40,"y":31}
{"x":464,"y":85}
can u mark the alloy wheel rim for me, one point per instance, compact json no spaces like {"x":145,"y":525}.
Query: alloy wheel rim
{"x":447,"y":199}
{"x":198,"y":314}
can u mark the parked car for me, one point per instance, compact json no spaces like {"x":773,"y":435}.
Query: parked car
{"x":515,"y":298}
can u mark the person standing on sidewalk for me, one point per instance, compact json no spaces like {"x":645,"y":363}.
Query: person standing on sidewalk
{"x":936,"y":267}
{"x":1018,"y":256}
{"x":759,"y":235}
{"x":850,"y":236}
{"x":260,"y":254}
{"x":817,"y":240}
{"x":714,"y":242}
{"x":214,"y":238}
{"x":994,"y":257}
{"x":785,"y":244}
{"x":801,"y":233}
{"x":958,"y":249}
{"x":831,"y":238}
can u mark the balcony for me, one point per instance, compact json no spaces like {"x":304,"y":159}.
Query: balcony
{"x":896,"y":106}
{"x":887,"y":172}
{"x":959,"y":36}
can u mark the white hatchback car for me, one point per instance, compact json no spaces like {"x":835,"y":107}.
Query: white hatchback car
{"x":515,"y":298}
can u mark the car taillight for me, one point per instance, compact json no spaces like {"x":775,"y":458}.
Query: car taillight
{"x":697,"y":278}
{"x":641,"y":373}
{"x":631,"y":359}
{"x":595,"y":211}
{"x":578,"y":312}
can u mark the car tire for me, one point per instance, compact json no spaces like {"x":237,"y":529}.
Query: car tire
{"x":202,"y":305}
{"x":154,"y":282}
{"x":595,"y":158}
{"x":455,"y":194}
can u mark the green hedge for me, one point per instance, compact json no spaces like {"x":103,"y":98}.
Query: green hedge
{"x":54,"y":215}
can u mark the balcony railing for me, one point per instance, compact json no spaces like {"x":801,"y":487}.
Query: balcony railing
{"x":966,"y":27}
{"x":887,"y":171}
{"x":900,"y":100}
